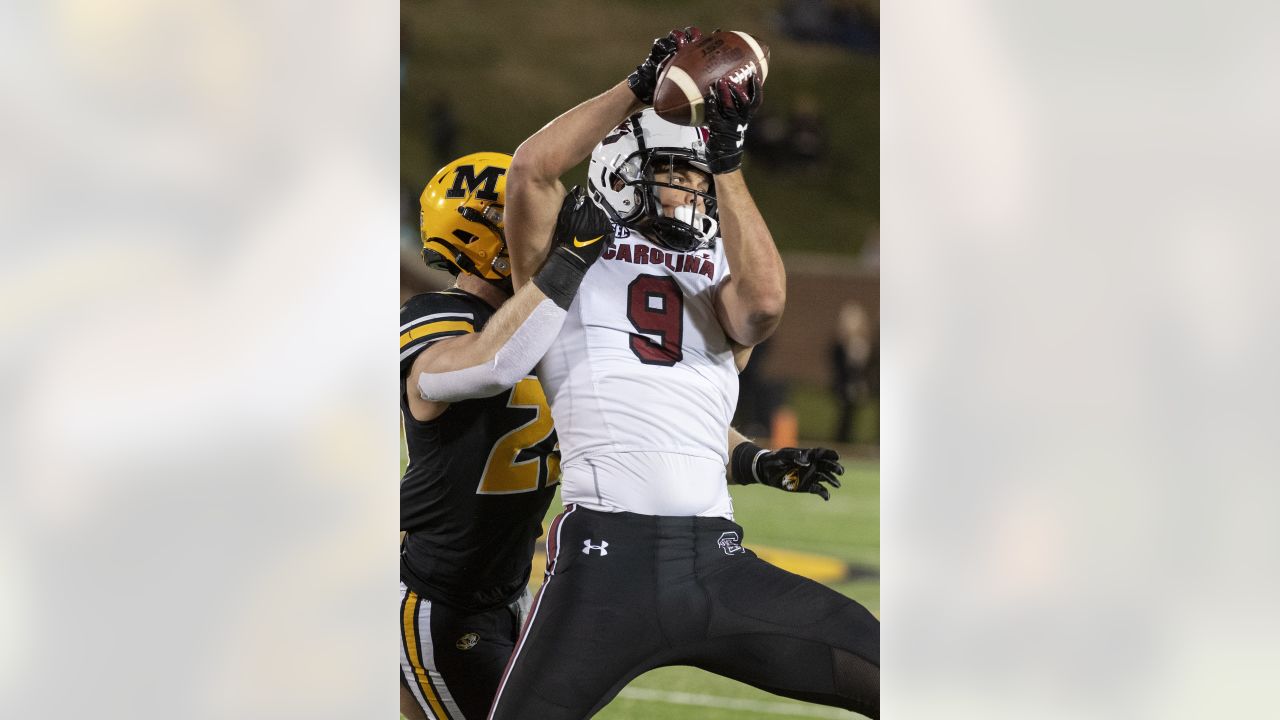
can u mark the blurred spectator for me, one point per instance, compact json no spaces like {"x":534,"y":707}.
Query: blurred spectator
{"x":869,"y":254}
{"x":767,"y":139}
{"x":758,"y":396}
{"x":806,"y":135}
{"x":854,"y":360}
{"x":854,"y":24}
{"x":797,"y":142}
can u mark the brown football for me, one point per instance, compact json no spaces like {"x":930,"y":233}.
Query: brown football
{"x":685,"y":79}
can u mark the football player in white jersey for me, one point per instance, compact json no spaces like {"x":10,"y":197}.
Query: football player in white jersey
{"x":645,"y":565}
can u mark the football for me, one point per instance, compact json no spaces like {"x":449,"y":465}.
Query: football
{"x":686,"y":77}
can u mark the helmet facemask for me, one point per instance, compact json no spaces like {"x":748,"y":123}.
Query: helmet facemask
{"x":686,"y":227}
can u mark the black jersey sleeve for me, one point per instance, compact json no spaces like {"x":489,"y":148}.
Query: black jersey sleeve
{"x":431,"y":317}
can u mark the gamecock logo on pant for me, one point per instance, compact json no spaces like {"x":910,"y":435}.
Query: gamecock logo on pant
{"x":729,"y":542}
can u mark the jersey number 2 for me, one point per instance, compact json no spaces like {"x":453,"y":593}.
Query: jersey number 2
{"x":526,"y":458}
{"x":655,"y":306}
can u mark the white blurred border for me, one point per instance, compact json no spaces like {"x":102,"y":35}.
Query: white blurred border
{"x":199,"y":216}
{"x":199,"y":209}
{"x":1079,"y":406}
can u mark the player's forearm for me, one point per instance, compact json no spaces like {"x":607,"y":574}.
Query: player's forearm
{"x":487,"y":363}
{"x":735,"y":439}
{"x":533,"y":183}
{"x":531,"y":218}
{"x":759,"y":283}
{"x":568,"y":140}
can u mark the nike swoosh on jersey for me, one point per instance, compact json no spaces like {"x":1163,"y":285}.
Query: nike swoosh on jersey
{"x":579,"y":243}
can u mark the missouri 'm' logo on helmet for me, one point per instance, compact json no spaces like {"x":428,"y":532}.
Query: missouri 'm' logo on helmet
{"x":484,"y":183}
{"x":462,"y":214}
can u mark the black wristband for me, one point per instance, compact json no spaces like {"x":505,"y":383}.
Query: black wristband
{"x":641,"y":87}
{"x":721,"y":164}
{"x":742,"y":463}
{"x":560,"y":277}
{"x":724,"y":153}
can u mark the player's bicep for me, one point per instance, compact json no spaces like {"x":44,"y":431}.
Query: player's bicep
{"x":728,"y":311}
{"x":453,"y":353}
{"x":428,"y":341}
{"x":740,"y":319}
{"x":532,"y":206}
{"x":439,"y":356}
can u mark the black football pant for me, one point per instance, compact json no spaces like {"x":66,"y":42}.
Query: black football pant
{"x":627,"y":593}
{"x":450,"y":659}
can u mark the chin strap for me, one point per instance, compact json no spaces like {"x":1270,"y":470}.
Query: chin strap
{"x":681,"y":235}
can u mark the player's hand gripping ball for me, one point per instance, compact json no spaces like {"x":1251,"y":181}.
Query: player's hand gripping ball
{"x":729,"y":108}
{"x":645,"y":78}
{"x":723,"y":55}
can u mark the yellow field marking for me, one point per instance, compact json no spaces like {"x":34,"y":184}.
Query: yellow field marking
{"x":822,"y":568}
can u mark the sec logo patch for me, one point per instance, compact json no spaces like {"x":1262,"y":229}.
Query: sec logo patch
{"x":468,"y":641}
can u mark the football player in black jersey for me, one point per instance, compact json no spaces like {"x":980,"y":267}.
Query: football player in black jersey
{"x":483,"y":459}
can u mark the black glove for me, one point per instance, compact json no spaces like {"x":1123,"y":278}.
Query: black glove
{"x":582,"y":231}
{"x":790,"y":469}
{"x":729,"y":107}
{"x":645,"y":79}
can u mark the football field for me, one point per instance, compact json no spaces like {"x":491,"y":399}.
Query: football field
{"x":837,"y":542}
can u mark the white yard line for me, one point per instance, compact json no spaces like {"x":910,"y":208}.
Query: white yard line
{"x":729,"y":703}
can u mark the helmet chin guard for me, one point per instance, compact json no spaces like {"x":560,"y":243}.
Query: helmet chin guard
{"x":686,"y":232}
{"x":622,"y":178}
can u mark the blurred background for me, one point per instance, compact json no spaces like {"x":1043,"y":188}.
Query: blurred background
{"x":202,"y":208}
{"x":472,"y":82}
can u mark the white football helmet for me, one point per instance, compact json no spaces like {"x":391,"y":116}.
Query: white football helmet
{"x":621,"y":179}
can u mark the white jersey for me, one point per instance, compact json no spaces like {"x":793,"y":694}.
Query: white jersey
{"x":642,"y":383}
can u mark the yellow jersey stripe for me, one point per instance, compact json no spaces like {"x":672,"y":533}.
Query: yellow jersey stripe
{"x":411,"y":643}
{"x":433,"y":328}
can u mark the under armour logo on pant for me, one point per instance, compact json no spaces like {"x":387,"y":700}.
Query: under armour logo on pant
{"x":587,"y":547}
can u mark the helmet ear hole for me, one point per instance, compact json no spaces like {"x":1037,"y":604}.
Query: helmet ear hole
{"x":436,"y":261}
{"x":616,"y":183}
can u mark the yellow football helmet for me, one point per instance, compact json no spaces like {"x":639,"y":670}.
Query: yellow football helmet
{"x":461,"y":216}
